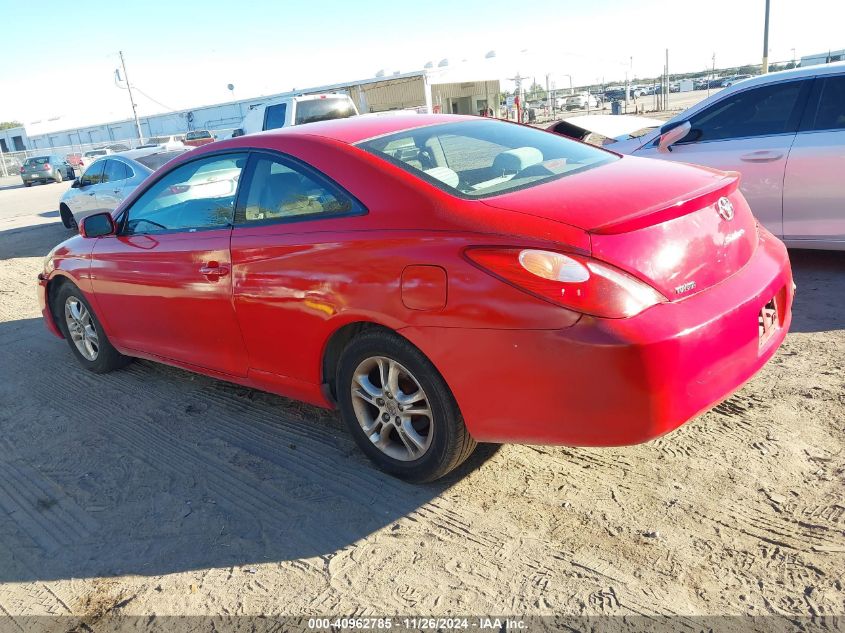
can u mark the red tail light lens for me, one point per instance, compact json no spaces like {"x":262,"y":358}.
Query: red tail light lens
{"x":46,"y":167}
{"x":572,"y":281}
{"x":23,"y":169}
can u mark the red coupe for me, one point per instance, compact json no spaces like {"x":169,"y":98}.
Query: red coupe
{"x":442,"y":280}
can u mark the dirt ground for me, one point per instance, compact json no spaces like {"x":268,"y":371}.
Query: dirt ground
{"x":153,"y":492}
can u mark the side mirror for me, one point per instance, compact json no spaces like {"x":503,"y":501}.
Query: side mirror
{"x":97,"y":225}
{"x":75,"y":184}
{"x":669,"y":137}
{"x":238,"y":132}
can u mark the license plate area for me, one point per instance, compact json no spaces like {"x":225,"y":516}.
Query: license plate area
{"x":767,"y":321}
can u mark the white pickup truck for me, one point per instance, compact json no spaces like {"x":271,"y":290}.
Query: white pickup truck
{"x":287,"y":111}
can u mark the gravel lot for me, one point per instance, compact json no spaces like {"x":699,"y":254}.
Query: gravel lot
{"x":154,"y":491}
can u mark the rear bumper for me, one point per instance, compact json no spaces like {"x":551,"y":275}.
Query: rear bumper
{"x":608,"y":382}
{"x":49,"y":321}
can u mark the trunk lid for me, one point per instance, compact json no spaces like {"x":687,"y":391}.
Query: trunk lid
{"x":660,"y":221}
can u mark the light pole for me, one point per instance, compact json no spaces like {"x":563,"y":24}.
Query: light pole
{"x":131,"y":100}
{"x":766,"y":41}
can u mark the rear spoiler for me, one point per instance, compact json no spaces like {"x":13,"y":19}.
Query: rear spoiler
{"x":674,"y":208}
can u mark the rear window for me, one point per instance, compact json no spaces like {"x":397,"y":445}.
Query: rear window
{"x":154,"y":161}
{"x":193,"y":136}
{"x":313,"y":110}
{"x":480,"y":158}
{"x":40,"y":160}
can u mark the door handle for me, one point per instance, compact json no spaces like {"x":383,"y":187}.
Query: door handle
{"x":763,"y":156}
{"x":213,"y":270}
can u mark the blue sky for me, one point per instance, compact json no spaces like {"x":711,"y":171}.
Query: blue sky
{"x":184,"y":53}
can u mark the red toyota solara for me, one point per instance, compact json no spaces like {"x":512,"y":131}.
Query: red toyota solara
{"x":442,"y":280}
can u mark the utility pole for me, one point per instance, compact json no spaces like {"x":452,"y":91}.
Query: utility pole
{"x":131,"y":100}
{"x":666,"y":89}
{"x":766,"y":41}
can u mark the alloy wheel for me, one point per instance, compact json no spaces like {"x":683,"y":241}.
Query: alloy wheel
{"x":392,"y":408}
{"x":81,"y":328}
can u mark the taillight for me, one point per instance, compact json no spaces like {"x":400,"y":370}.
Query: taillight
{"x":23,"y":169}
{"x":46,"y":167}
{"x":579,"y":283}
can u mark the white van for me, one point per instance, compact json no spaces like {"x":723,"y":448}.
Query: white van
{"x":287,"y":111}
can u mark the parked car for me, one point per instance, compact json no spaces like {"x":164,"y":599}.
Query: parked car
{"x":174,"y":141}
{"x":198,"y":138}
{"x":533,"y":289}
{"x":44,"y":169}
{"x":109,"y":180}
{"x":784,"y":132}
{"x":93,"y":154}
{"x":736,"y":78}
{"x":288,"y":111}
{"x":582,"y":101}
{"x":75,"y":160}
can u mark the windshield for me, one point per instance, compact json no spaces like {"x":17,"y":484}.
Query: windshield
{"x":154,"y":161}
{"x":192,"y":136}
{"x":95,"y":153}
{"x":482,"y":158}
{"x":312,"y":110}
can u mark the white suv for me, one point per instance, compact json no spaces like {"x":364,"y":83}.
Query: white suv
{"x":287,"y":111}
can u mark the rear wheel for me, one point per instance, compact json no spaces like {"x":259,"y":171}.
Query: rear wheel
{"x":83,"y":332}
{"x":399,"y":409}
{"x":27,"y":184}
{"x":58,"y":177}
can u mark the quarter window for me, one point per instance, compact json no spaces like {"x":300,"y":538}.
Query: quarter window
{"x":195,"y":196}
{"x":280,"y":190}
{"x":756,"y":112}
{"x":830,"y":114}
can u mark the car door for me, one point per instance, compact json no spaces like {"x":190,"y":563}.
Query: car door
{"x":814,"y":186}
{"x":163,"y":284}
{"x":110,"y":194}
{"x":750,"y":131}
{"x":84,"y":203}
{"x":288,"y":258}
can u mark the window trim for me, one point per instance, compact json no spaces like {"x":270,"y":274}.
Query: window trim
{"x":795,"y":116}
{"x":123,"y":217}
{"x":358,"y":207}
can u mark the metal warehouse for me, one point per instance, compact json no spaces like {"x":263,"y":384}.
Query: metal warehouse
{"x":429,"y":90}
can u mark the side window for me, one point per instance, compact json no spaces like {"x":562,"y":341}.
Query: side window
{"x":280,"y":190}
{"x":274,"y":116}
{"x":756,"y":112}
{"x":114,"y":171}
{"x":194,"y":196}
{"x":830,"y":114}
{"x":93,"y":175}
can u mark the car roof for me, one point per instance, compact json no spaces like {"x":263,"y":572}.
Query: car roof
{"x":792,"y":73}
{"x":360,"y":128}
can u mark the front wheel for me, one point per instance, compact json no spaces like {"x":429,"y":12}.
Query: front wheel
{"x":67,"y":217}
{"x":84,"y":333}
{"x":399,"y":409}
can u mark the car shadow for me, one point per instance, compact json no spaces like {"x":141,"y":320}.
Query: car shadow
{"x":152,"y":470}
{"x":34,"y":240}
{"x":49,"y":214}
{"x":820,"y":295}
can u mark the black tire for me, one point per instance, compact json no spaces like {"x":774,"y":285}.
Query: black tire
{"x":451,"y":443}
{"x":58,"y":177}
{"x":107,"y":357}
{"x":67,"y":217}
{"x":27,"y":184}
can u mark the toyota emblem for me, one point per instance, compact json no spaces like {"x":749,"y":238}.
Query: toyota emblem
{"x":725,"y":208}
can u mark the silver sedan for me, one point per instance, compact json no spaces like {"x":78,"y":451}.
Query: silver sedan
{"x":108,"y":180}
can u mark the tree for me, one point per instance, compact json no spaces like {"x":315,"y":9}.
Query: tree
{"x":536,"y":92}
{"x":6,"y":125}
